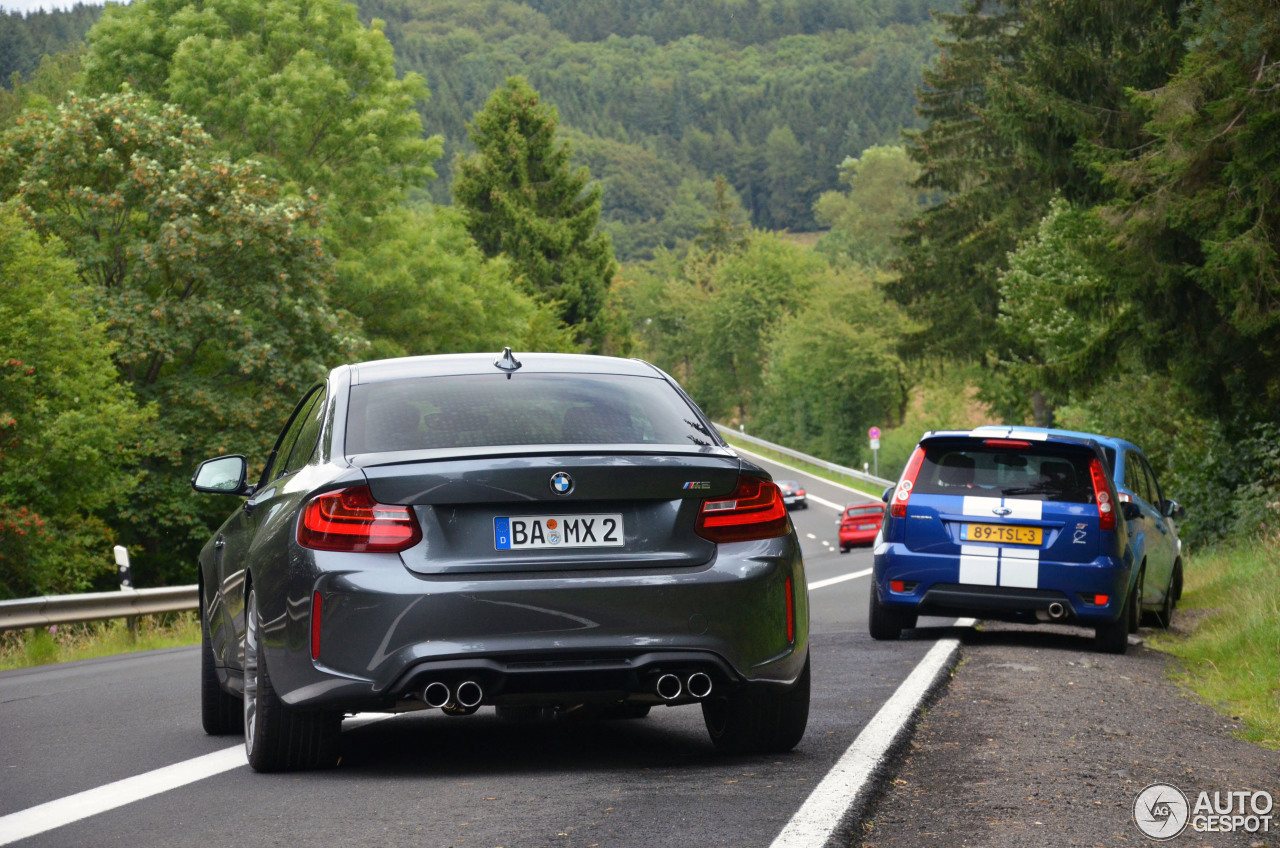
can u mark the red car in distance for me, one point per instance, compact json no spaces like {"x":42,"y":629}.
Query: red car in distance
{"x":860,"y":524}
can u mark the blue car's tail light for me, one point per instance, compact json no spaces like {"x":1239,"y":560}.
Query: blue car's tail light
{"x":754,"y":511}
{"x":908,"y":482}
{"x":351,"y":520}
{"x":1102,"y":496}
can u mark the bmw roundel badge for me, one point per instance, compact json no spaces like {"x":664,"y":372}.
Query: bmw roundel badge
{"x":561,"y":483}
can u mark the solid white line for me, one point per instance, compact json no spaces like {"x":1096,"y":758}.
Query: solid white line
{"x":831,"y":581}
{"x":820,"y":815}
{"x":91,"y":802}
{"x":807,"y":474}
{"x":825,"y":502}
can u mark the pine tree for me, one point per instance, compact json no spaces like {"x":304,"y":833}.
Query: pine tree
{"x":520,"y":198}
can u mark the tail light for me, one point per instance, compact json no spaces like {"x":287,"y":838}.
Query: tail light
{"x":899,"y":507}
{"x":1006,"y":443}
{"x":351,"y":520}
{"x":317,"y":605}
{"x":754,"y":511}
{"x":1102,"y":496}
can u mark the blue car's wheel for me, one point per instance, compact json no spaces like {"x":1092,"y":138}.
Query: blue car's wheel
{"x":887,"y":624}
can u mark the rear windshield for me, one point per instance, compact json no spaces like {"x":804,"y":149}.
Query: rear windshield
{"x":863,"y":511}
{"x":1041,"y":473}
{"x":529,"y":409}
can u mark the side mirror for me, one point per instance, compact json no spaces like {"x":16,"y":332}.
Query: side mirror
{"x":1173,"y":509}
{"x":1130,"y":510}
{"x":887,"y":493}
{"x":222,"y":476}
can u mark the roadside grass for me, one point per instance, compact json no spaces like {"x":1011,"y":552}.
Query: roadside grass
{"x":843,"y":479}
{"x":68,"y":642}
{"x":1231,"y":657}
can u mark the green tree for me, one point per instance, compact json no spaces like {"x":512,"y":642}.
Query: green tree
{"x":69,"y":431}
{"x":521,"y":199}
{"x":210,"y":283}
{"x":865,"y":220}
{"x":300,"y":85}
{"x":437,"y":293}
{"x":831,"y":370}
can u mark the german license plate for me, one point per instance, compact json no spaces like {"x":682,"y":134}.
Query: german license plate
{"x":1005,"y":534}
{"x":866,"y":527}
{"x":518,"y":533}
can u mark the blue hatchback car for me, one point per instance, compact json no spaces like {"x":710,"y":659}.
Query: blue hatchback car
{"x":1023,"y":524}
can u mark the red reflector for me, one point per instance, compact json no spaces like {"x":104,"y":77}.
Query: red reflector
{"x":1102,"y":496}
{"x":351,"y":520}
{"x":896,"y":586}
{"x":1006,"y":443}
{"x":791,"y":613}
{"x":754,"y":511}
{"x":316,"y":604}
{"x":906,"y":484}
{"x":1101,"y":600}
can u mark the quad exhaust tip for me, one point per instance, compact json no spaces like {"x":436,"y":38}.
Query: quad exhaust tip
{"x":469,"y":694}
{"x":698,"y":685}
{"x":436,"y":695}
{"x":669,"y":687}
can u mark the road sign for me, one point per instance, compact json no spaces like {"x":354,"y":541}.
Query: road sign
{"x":875,"y":444}
{"x":874,"y":433}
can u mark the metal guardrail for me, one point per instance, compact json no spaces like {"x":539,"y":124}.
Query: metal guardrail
{"x":804,"y":457}
{"x":94,"y":606}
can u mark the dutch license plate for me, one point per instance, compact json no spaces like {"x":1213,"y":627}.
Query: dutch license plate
{"x":866,"y":527}
{"x":517,"y":533}
{"x":1005,"y":534}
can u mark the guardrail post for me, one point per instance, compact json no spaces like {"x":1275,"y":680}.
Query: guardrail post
{"x":126,"y":582}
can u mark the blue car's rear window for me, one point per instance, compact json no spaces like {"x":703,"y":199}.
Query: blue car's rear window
{"x":1041,"y":473}
{"x":529,"y":409}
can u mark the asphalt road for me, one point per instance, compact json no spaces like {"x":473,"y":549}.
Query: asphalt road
{"x":425,"y":779}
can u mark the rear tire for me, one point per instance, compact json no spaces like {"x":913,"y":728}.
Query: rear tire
{"x":277,"y":738}
{"x":1113,"y":636}
{"x":754,"y":721}
{"x":220,"y":713}
{"x":1163,"y":617}
{"x":1135,"y":604}
{"x":886,"y":624}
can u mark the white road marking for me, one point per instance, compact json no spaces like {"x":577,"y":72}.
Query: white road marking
{"x":811,"y":536}
{"x":91,"y":802}
{"x":849,"y":779}
{"x":831,"y":581}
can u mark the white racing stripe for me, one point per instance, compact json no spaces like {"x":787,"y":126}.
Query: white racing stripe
{"x":850,"y":778}
{"x":91,"y":802}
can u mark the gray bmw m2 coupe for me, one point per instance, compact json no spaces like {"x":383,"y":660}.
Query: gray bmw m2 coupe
{"x":538,"y":534}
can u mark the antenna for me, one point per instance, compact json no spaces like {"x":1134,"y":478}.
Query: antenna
{"x":507,"y":362}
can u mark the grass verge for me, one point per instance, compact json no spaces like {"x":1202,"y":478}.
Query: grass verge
{"x":67,"y":642}
{"x":1231,"y":656}
{"x":843,"y":479}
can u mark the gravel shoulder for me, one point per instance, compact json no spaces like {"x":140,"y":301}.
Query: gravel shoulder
{"x":1037,"y":740}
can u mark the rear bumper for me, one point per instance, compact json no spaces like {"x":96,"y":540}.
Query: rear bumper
{"x":931,"y":586}
{"x":568,"y":637}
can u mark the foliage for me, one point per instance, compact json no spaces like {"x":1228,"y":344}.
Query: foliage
{"x":520,"y":198}
{"x":437,"y":293}
{"x":708,"y":318}
{"x":831,"y":371}
{"x":702,"y":86}
{"x":299,"y":85}
{"x":1028,"y":100}
{"x":211,"y":285}
{"x":864,"y":220}
{"x":26,"y":38}
{"x":68,"y":430}
{"x":1198,"y":216}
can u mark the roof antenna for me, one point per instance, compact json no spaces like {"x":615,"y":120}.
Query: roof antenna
{"x":507,"y":363}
